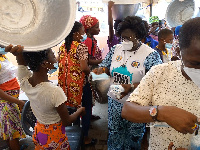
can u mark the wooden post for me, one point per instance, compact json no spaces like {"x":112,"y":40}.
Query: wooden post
{"x":151,"y":5}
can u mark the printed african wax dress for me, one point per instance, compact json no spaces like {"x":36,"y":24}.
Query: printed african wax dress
{"x":126,"y":67}
{"x":71,"y":78}
{"x":10,"y":117}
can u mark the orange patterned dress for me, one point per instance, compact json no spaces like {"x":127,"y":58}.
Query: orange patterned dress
{"x":70,"y":76}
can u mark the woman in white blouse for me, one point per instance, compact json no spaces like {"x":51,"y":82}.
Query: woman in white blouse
{"x":170,"y":93}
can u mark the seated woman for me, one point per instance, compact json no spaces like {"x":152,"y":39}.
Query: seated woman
{"x":170,"y":94}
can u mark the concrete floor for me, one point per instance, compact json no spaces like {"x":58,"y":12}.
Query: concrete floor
{"x":98,"y":130}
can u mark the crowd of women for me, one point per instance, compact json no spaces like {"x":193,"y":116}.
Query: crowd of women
{"x":157,"y":103}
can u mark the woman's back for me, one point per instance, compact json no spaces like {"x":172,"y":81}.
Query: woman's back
{"x":44,"y":97}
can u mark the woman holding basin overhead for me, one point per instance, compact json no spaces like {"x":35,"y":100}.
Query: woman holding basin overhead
{"x":126,"y":63}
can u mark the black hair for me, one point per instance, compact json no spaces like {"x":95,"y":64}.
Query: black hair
{"x":35,"y":59}
{"x":147,"y":27}
{"x":164,"y":33}
{"x":188,"y":32}
{"x":116,"y":23}
{"x":134,"y":23}
{"x":69,"y":38}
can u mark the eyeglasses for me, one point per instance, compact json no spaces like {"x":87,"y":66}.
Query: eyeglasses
{"x":127,"y":38}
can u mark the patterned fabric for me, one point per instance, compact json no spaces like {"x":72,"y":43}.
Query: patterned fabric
{"x":153,"y":19}
{"x":123,"y":135}
{"x":115,"y":41}
{"x":108,"y":59}
{"x":50,"y":137}
{"x":93,"y":49}
{"x":165,"y":85}
{"x":88,"y":21}
{"x":152,"y":60}
{"x":165,"y":56}
{"x":10,"y":123}
{"x":71,"y":77}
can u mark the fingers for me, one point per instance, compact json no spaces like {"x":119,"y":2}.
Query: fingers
{"x":8,"y":48}
{"x":14,"y":50}
{"x":170,"y":146}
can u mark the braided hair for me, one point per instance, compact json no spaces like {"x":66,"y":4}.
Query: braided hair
{"x":68,"y":40}
{"x":35,"y":59}
{"x":134,"y":23}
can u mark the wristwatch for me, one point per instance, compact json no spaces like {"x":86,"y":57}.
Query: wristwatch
{"x":153,"y":111}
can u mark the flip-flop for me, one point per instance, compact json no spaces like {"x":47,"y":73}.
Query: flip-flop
{"x":93,"y":142}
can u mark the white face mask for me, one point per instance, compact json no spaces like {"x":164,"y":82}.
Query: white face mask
{"x":194,"y":74}
{"x":127,"y":45}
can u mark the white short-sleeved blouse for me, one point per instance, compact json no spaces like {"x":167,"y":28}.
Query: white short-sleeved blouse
{"x":44,"y":97}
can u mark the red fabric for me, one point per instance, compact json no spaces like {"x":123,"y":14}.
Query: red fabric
{"x":10,"y":85}
{"x":88,"y":43}
{"x":88,"y":21}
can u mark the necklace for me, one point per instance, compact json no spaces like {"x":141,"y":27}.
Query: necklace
{"x":124,"y":64}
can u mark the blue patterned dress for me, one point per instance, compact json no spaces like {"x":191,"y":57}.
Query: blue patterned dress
{"x":126,"y":67}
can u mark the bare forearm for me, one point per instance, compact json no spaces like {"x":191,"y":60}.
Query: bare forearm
{"x":8,"y":98}
{"x":20,"y":60}
{"x":73,"y":117}
{"x":94,"y":62}
{"x":139,"y":114}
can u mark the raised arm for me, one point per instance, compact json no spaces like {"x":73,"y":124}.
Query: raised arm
{"x":16,"y":51}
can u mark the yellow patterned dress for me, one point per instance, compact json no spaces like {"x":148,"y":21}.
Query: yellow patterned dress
{"x":10,"y":118}
{"x":70,"y":76}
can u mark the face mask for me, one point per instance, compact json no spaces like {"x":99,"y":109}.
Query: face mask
{"x":194,"y":74}
{"x":127,"y":45}
{"x":84,"y":37}
{"x":157,"y":29}
{"x":2,"y":51}
{"x":54,"y":69}
{"x":102,"y":76}
{"x":168,"y":45}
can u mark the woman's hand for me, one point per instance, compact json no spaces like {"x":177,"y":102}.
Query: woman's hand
{"x":179,"y":119}
{"x":171,"y":145}
{"x":83,"y":112}
{"x":99,"y":70}
{"x":127,"y":89}
{"x":21,"y":105}
{"x":14,"y":50}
